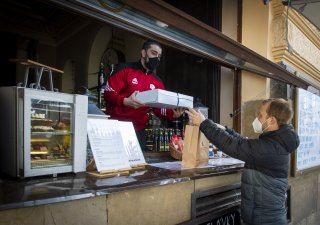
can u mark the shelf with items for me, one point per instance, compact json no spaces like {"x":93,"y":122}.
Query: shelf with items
{"x":46,"y":160}
{"x":50,"y":136}
{"x":50,"y":148}
{"x":50,"y":116}
{"x":50,"y":125}
{"x":159,"y":132}
{"x":44,"y":163}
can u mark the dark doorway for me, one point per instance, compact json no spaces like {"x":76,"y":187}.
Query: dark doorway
{"x":188,"y":73}
{"x":8,"y":69}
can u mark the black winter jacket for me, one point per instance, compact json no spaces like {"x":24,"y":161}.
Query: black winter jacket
{"x":264,"y":180}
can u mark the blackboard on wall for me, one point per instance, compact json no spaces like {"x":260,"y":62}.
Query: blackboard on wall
{"x":307,"y":112}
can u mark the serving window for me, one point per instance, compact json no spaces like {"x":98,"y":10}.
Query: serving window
{"x":84,"y":33}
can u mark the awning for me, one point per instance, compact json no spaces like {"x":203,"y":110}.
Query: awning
{"x":255,"y":62}
{"x":155,"y":18}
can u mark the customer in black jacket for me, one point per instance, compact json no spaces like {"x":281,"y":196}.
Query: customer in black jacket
{"x":264,"y":180}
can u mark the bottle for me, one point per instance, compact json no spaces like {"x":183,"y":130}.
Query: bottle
{"x":166,"y":140}
{"x":100,"y":84}
{"x":111,"y":69}
{"x":219,"y":153}
{"x":156,"y":140}
{"x":182,"y":134}
{"x":178,"y":132}
{"x":150,"y":121}
{"x":170,"y":133}
{"x":161,"y":140}
{"x":101,"y":75}
{"x":211,"y":153}
{"x":148,"y":135}
{"x":149,"y":139}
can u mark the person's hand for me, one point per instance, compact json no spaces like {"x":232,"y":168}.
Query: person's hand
{"x":132,"y":101}
{"x":177,"y":112}
{"x":195,"y":117}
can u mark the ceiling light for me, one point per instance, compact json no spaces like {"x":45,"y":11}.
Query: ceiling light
{"x":161,"y":24}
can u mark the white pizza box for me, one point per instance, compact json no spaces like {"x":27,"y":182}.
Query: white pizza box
{"x":159,"y":98}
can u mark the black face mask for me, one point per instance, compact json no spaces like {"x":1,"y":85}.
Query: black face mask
{"x":153,"y":63}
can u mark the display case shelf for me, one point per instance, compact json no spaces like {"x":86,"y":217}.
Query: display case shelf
{"x":54,"y":133}
{"x":53,"y":110}
{"x":39,"y":153}
{"x":44,"y":163}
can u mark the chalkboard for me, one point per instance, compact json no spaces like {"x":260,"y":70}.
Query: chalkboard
{"x":308,"y":127}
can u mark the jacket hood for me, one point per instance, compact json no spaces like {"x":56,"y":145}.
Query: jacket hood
{"x":286,"y":136}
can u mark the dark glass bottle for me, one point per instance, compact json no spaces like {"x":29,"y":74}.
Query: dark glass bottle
{"x":161,"y":140}
{"x":171,"y":133}
{"x":166,"y":140}
{"x":149,"y":139}
{"x":156,"y":140}
{"x":182,"y":134}
{"x":101,"y":76}
{"x":178,"y":132}
{"x":150,"y":121}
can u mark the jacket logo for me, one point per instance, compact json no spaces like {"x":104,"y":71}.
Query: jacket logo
{"x":152,"y":86}
{"x":134,"y":81}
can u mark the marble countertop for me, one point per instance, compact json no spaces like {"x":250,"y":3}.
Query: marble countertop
{"x":18,"y":193}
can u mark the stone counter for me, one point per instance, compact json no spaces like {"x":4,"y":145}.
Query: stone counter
{"x":159,"y":194}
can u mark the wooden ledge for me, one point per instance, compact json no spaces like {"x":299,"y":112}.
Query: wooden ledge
{"x":28,"y":62}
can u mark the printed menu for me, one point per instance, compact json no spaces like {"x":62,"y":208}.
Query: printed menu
{"x":107,"y":145}
{"x":114,"y":144}
{"x":308,"y":123}
{"x":131,"y":144}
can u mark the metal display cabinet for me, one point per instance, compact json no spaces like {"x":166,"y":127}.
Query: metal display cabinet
{"x":42,"y":132}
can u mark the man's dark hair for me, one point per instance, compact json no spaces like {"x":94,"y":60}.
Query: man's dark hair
{"x":146,"y":44}
{"x":280,"y":109}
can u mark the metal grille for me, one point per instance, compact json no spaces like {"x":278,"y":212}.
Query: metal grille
{"x":215,"y":200}
{"x":216,"y":206}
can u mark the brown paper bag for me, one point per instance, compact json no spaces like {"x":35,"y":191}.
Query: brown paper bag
{"x":196,"y":148}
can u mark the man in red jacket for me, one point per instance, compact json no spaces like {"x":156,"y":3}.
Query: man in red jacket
{"x":131,"y":78}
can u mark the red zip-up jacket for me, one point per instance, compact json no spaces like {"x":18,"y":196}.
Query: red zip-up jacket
{"x":128,"y":78}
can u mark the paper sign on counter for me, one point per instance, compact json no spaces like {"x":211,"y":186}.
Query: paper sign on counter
{"x":107,"y":145}
{"x":131,"y":144}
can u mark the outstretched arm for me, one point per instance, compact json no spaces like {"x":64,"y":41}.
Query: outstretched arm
{"x":196,"y":118}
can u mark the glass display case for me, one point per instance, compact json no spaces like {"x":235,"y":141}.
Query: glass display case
{"x":43,"y":132}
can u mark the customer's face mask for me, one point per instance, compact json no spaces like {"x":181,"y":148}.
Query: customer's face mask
{"x":152,"y":63}
{"x":258,"y":126}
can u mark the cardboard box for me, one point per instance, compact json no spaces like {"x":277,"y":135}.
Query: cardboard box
{"x":159,"y":98}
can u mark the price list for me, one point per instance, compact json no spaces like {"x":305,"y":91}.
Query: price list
{"x":107,"y":144}
{"x":308,"y":114}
